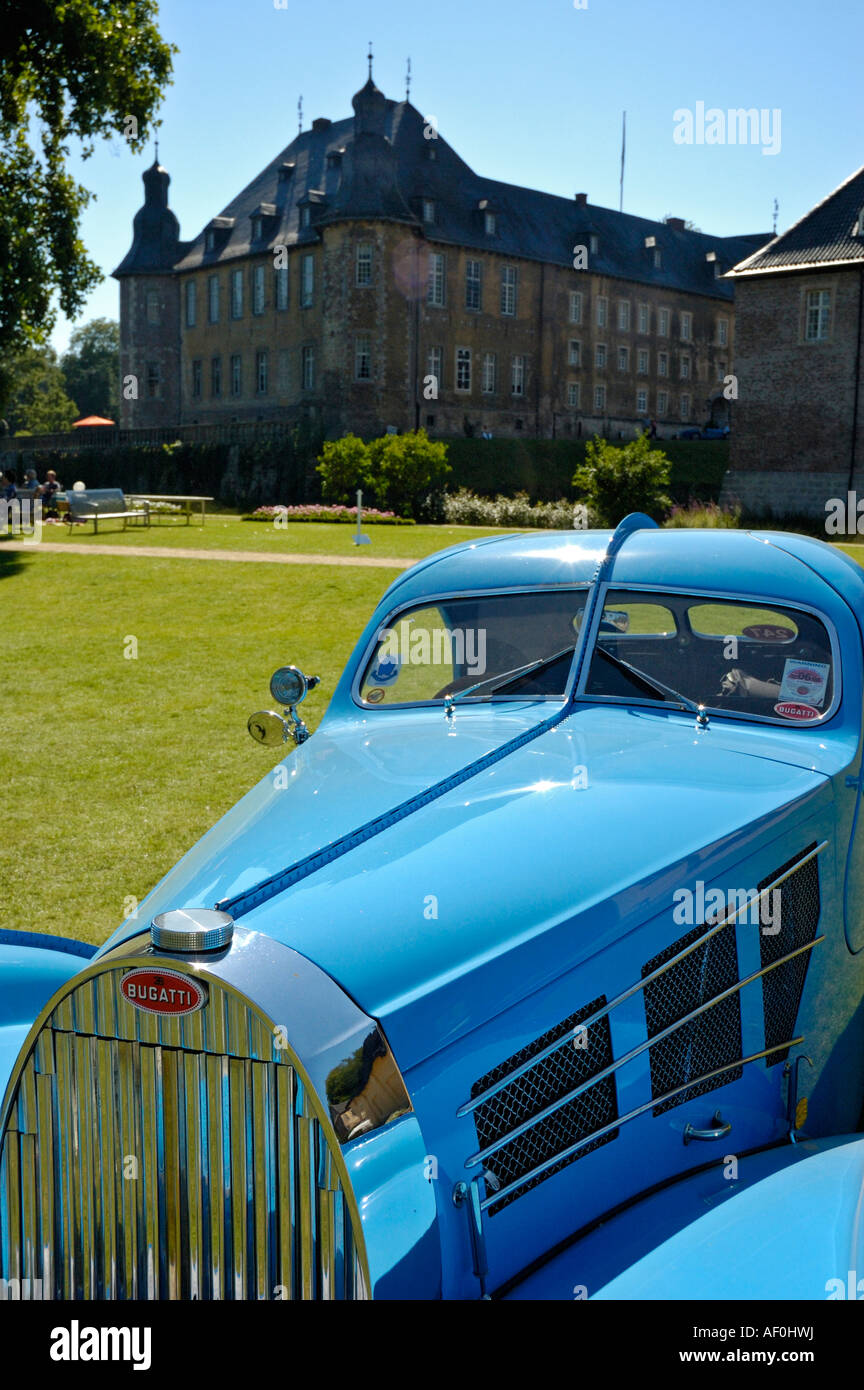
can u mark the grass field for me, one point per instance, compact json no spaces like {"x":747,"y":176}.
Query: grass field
{"x":112,"y":767}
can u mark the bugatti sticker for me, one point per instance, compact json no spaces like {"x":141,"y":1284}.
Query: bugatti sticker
{"x":163,"y":992}
{"x":793,"y":709}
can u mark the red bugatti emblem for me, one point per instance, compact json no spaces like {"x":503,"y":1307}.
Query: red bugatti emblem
{"x":163,"y":992}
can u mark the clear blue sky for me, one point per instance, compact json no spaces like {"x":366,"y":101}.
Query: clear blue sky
{"x":531,"y":93}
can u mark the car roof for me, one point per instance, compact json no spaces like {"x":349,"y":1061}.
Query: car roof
{"x":770,"y":565}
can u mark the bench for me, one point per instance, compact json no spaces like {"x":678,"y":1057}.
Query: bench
{"x":104,"y":504}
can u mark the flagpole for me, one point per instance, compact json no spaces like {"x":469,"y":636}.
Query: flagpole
{"x":623,"y":150}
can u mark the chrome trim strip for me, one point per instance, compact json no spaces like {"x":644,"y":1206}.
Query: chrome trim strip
{"x":631,"y":1115}
{"x":470,"y":1105}
{"x":634,"y":1052}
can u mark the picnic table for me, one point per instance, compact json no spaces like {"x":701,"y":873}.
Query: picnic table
{"x":175,"y":497}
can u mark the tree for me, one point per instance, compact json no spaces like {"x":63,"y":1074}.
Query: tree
{"x":91,"y":367}
{"x":614,"y":482}
{"x":37,"y":402}
{"x":82,"y":70}
{"x":344,"y":467}
{"x":409,"y":474}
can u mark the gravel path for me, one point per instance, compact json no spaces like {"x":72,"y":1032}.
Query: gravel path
{"x":154,"y":552}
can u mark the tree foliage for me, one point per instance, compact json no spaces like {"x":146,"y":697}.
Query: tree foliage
{"x":616,"y":481}
{"x":37,"y":402}
{"x":91,"y":366}
{"x":79,"y":70}
{"x":404,"y":473}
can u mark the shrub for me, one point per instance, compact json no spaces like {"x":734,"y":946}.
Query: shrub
{"x":312,"y":511}
{"x":409,"y":472}
{"x":616,"y":481}
{"x":345,"y":467}
{"x":698,"y":513}
{"x":465,"y":508}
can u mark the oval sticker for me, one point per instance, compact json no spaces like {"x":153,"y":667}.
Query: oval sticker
{"x":163,"y":992}
{"x":791,"y":709}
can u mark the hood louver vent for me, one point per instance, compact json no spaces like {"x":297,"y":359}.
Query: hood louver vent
{"x":800,"y":910}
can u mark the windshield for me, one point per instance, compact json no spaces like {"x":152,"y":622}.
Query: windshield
{"x":731,"y":656}
{"x":486,"y":641}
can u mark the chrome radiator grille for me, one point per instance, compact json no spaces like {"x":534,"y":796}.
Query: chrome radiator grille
{"x":185,"y":1161}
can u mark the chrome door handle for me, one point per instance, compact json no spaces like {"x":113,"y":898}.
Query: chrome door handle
{"x":720,"y":1130}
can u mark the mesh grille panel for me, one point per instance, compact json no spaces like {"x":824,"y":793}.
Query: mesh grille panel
{"x":709,"y":1041}
{"x":530,"y":1093}
{"x":800,"y":909}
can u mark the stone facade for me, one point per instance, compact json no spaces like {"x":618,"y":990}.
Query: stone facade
{"x":369,"y":280}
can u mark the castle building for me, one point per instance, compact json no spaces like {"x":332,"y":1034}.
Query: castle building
{"x":798,"y":438}
{"x":369,"y":279}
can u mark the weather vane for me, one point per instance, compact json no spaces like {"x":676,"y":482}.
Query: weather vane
{"x":369,"y":56}
{"x":776,"y":210}
{"x":300,"y":115}
{"x":408,"y":82}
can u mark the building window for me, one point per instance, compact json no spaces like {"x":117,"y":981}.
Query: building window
{"x":196,"y":377}
{"x":435,"y":293}
{"x":236,"y":294}
{"x":262,"y":371}
{"x":600,"y":398}
{"x":662,"y":402}
{"x":602,"y":311}
{"x":216,"y":376}
{"x":210,"y":240}
{"x":662,"y":364}
{"x":307,"y":367}
{"x":284,"y":370}
{"x":517,"y":376}
{"x":685,"y":406}
{"x":623,"y":359}
{"x":257,"y":228}
{"x":363,"y":265}
{"x":600,"y":356}
{"x":722,"y":332}
{"x":236,"y":374}
{"x":623,"y":315}
{"x":663,"y":323}
{"x":642,"y":361}
{"x":428,"y":210}
{"x":490,"y":223}
{"x":282,"y":287}
{"x":463,"y":369}
{"x":473,"y":285}
{"x":575,"y":306}
{"x":686,"y":326}
{"x":154,"y":381}
{"x":641,"y":402}
{"x":573,"y":394}
{"x":490,"y":373}
{"x":594,"y":243}
{"x":258,"y":295}
{"x":644,"y":318}
{"x":684,"y":366}
{"x":818,"y":318}
{"x":307,"y":294}
{"x":508,"y":289}
{"x":305,"y":216}
{"x":658,"y":258}
{"x":574,"y":354}
{"x":363,"y":358}
{"x":191,"y":303}
{"x":213,"y":298}
{"x":435,"y":368}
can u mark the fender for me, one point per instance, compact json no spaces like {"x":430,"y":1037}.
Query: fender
{"x":33,"y":965}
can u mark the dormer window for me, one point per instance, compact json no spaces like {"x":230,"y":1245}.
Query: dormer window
{"x":305,"y":215}
{"x":428,"y":210}
{"x":210,"y":240}
{"x":594,"y":244}
{"x":257,"y":228}
{"x":286,"y":172}
{"x":490,"y":223}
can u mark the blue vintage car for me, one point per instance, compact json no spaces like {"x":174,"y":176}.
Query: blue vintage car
{"x":537,"y":972}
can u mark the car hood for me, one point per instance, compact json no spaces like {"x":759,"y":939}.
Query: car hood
{"x":490,"y":890}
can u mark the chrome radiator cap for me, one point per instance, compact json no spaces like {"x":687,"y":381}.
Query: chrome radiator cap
{"x":192,"y":929}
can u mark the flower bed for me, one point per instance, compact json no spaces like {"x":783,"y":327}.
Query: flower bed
{"x":318,"y":512}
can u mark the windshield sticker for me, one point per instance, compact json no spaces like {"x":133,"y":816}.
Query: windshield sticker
{"x":805,"y":680}
{"x":801,"y":714}
{"x":769,"y":632}
{"x":387,"y":670}
{"x":374,"y":697}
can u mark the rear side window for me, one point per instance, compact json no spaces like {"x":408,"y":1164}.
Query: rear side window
{"x":732,"y":656}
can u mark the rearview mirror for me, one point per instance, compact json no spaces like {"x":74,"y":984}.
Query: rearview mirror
{"x":269,"y":728}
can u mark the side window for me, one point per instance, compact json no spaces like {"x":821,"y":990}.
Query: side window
{"x":632,"y":617}
{"x":413,"y":661}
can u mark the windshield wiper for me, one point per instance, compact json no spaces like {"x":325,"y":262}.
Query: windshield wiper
{"x":666,"y":690}
{"x":507,"y":677}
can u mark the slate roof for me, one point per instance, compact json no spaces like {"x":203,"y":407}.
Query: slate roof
{"x":825,"y":236}
{"x":531,"y":225}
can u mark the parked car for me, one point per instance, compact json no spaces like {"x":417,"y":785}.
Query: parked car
{"x":536,"y":971}
{"x":705,"y":432}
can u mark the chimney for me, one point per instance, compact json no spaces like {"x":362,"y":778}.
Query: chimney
{"x":676,"y":223}
{"x":581,"y":200}
{"x":322,"y":123}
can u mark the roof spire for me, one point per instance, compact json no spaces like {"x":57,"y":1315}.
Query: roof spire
{"x":157,"y":149}
{"x":300,"y":115}
{"x":408,"y":82}
{"x":369,"y":56}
